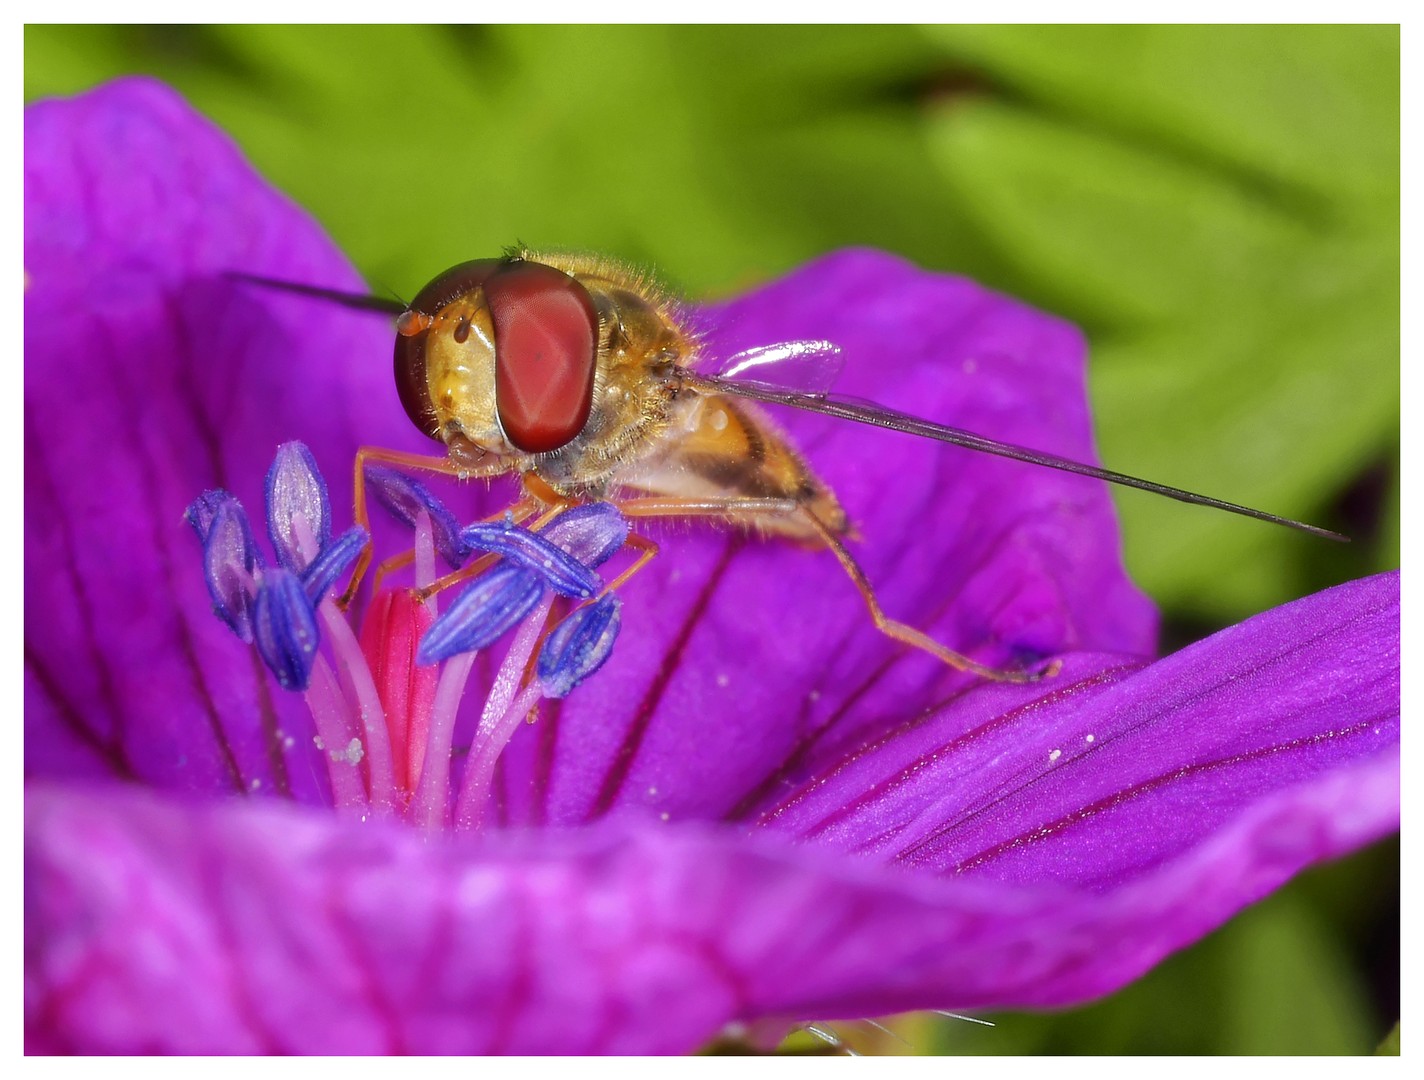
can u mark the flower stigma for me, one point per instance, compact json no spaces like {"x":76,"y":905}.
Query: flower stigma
{"x":385,"y":691}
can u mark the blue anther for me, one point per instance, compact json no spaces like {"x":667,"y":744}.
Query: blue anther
{"x":578,"y":646}
{"x":495,"y":603}
{"x":563,"y":573}
{"x":592,"y":533}
{"x":201,"y":510}
{"x":405,"y":498}
{"x":284,"y":625}
{"x":230,"y":561}
{"x":332,"y":562}
{"x":296,"y":491}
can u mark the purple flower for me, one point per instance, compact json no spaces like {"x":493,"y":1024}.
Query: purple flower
{"x":757,"y":809}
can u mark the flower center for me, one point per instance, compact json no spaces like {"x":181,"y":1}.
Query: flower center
{"x":384,"y":695}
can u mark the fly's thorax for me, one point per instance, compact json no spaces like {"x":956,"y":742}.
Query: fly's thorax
{"x":641,"y":346}
{"x":634,"y":406}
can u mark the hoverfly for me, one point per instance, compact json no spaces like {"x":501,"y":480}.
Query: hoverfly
{"x":578,"y":375}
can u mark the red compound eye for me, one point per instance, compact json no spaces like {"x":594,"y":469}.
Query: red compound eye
{"x":411,"y":384}
{"x":546,"y":350}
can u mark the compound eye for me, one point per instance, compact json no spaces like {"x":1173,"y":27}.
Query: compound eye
{"x":411,"y":382}
{"x":546,"y":352}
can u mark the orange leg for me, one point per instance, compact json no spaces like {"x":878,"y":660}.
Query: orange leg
{"x":390,"y":566}
{"x":647,"y":550}
{"x":901,"y":632}
{"x":537,"y":493}
{"x":518,"y":512}
{"x":442,"y":466}
{"x":673,"y":507}
{"x":450,"y":580}
{"x":550,"y":618}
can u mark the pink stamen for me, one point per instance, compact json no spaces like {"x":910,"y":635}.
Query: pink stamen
{"x":308,"y":547}
{"x":334,"y":734}
{"x":500,"y":719}
{"x":390,"y":636}
{"x":432,"y":796}
{"x":361,"y":694}
{"x":489,"y":744}
{"x":391,"y":631}
{"x":425,"y":555}
{"x":424,"y":680}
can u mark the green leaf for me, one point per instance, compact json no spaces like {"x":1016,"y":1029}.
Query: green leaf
{"x":1272,"y":981}
{"x":1387,"y":546}
{"x":1389,"y":1046}
{"x":1108,"y":228}
{"x":1276,"y":404}
{"x":1291,"y":990}
{"x":61,"y":60}
{"x":1310,"y":107}
{"x":1160,"y":185}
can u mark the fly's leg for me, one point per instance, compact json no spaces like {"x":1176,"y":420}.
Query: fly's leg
{"x":537,"y":494}
{"x":390,"y":566}
{"x":653,"y":507}
{"x":908,"y":635}
{"x":751,"y":508}
{"x":517,"y":513}
{"x":441,"y":466}
{"x":723,"y":508}
{"x":647,"y":551}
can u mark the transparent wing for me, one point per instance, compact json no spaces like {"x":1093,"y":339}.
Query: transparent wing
{"x":808,"y":367}
{"x":862,"y":412}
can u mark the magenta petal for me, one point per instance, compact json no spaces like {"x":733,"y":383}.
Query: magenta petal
{"x":247,"y":928}
{"x":1099,"y":777}
{"x":149,"y":378}
{"x":244,"y":927}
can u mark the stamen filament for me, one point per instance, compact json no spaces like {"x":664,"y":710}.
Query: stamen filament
{"x":366,"y":703}
{"x":329,"y":712}
{"x":432,"y":795}
{"x":489,"y":744}
{"x":419,"y":730}
{"x":500,"y":718}
{"x":425,"y":555}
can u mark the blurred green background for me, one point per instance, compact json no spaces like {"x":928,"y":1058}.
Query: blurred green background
{"x":1218,"y":207}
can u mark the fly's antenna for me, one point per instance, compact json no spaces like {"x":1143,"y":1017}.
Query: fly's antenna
{"x":357,"y":301}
